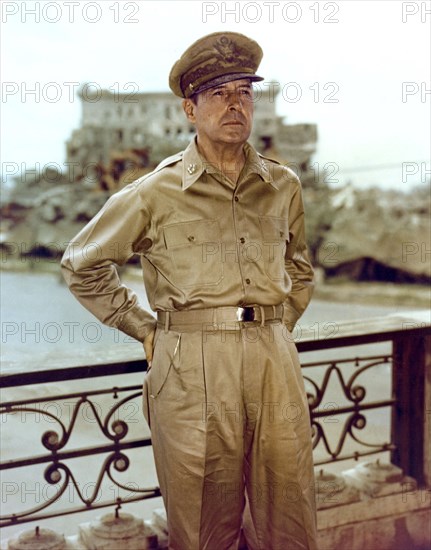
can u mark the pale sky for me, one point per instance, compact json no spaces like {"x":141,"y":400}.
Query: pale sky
{"x":364,"y":52}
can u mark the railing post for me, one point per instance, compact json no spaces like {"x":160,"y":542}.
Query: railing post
{"x":427,"y":426}
{"x":411,"y":388}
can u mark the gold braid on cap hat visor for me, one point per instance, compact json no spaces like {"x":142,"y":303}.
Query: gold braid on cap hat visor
{"x":226,"y":58}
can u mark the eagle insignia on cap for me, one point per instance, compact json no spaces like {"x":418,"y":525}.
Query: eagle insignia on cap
{"x":227,"y":49}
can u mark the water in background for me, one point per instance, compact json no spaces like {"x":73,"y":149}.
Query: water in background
{"x":44,"y":325}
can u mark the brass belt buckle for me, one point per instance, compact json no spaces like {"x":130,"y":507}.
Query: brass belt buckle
{"x":245,"y":314}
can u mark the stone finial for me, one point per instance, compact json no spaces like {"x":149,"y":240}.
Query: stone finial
{"x":38,"y":539}
{"x":115,"y":530}
{"x":332,"y":490}
{"x":377,"y":478}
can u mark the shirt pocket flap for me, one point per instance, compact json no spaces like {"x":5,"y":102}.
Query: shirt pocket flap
{"x":189,"y":233}
{"x":274,"y":229}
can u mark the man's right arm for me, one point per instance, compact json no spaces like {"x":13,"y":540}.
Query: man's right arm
{"x":111,"y":237}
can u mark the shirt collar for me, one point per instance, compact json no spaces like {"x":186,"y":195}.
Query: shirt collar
{"x":194,"y":165}
{"x":255,"y":164}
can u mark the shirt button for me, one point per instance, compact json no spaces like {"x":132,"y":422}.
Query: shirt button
{"x":248,"y":281}
{"x":242,"y":240}
{"x":236,"y":199}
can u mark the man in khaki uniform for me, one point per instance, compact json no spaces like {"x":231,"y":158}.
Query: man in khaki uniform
{"x":220,"y":233}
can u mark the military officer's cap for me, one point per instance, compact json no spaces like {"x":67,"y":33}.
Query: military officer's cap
{"x":213,"y":60}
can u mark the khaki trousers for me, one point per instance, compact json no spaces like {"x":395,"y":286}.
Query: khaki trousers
{"x":231,"y":432}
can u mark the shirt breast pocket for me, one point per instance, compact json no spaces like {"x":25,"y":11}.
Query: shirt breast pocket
{"x":194,"y":249}
{"x":275,"y":235}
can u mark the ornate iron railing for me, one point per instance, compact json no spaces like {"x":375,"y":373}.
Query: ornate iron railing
{"x":408,"y":352}
{"x":57,"y":471}
{"x":354,"y":411}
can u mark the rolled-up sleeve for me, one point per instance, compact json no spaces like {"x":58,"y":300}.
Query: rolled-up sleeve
{"x":111,"y":237}
{"x":297,"y":261}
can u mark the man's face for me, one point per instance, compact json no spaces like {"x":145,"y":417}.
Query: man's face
{"x":223,"y":114}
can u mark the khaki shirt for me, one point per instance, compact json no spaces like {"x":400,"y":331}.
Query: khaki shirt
{"x":203,"y":242}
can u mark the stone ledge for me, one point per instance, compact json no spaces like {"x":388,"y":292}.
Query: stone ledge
{"x":396,"y":532}
{"x":374,"y":508}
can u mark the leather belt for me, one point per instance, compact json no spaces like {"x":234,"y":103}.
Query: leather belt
{"x":219,"y":315}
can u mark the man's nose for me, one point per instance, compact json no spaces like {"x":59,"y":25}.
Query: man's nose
{"x":234,"y":100}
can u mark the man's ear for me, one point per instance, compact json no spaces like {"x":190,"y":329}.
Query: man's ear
{"x":189,"y":109}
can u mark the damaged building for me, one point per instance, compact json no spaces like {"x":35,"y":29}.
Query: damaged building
{"x":116,"y":122}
